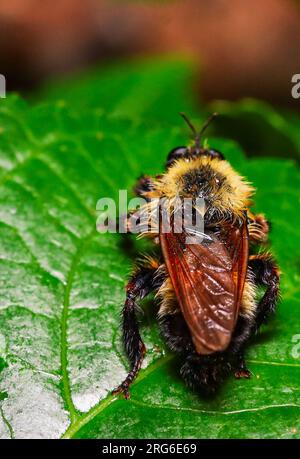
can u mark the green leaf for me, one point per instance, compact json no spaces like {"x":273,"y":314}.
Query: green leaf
{"x":152,"y":90}
{"x":62,"y":283}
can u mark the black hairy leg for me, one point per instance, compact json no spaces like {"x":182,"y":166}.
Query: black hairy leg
{"x":241,"y":370}
{"x":266,"y":273}
{"x":136,"y":221}
{"x":147,"y":278}
{"x":143,"y":186}
{"x":236,"y":350}
{"x":130,"y":223}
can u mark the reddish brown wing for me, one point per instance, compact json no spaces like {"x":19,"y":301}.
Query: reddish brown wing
{"x":208,"y":280}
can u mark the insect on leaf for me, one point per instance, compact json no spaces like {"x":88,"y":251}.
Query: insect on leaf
{"x":62,"y":283}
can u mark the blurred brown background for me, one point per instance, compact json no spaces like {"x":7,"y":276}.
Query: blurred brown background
{"x":243,"y":48}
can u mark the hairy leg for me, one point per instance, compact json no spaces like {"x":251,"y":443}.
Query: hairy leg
{"x":241,"y":336}
{"x":258,"y":227}
{"x":146,"y":279}
{"x":143,"y":186}
{"x":266,"y":274}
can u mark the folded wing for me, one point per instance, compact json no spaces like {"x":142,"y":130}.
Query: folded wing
{"x":208,"y":279}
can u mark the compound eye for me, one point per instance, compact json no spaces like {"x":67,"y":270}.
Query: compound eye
{"x":215,"y":154}
{"x":176,"y":153}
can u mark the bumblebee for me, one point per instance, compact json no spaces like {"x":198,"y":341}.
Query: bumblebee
{"x":208,"y":291}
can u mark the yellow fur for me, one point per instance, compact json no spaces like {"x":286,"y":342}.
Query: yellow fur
{"x":248,"y":305}
{"x":168,"y":300}
{"x":235,"y":200}
{"x":145,"y":261}
{"x":234,"y":196}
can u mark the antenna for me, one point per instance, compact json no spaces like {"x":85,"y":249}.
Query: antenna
{"x":188,"y":122}
{"x":199,"y":134}
{"x":207,"y":123}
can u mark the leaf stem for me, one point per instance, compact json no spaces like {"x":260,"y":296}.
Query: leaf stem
{"x":97,"y":409}
{"x":64,"y":330}
{"x":7,"y":423}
